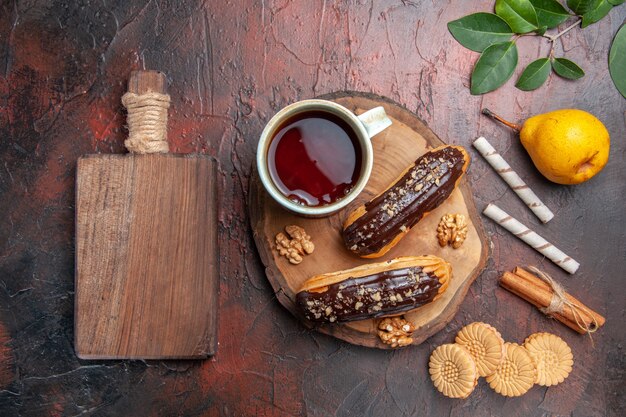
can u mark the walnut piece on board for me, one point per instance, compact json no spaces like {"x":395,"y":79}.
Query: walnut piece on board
{"x":146,"y":257}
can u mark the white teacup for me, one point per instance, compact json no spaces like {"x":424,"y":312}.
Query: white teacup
{"x":364,"y":127}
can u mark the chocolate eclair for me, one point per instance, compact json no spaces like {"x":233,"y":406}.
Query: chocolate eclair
{"x":377,"y":226}
{"x":375,"y":290}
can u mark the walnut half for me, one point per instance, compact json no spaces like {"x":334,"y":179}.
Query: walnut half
{"x":395,"y":331}
{"x":452,"y":230}
{"x":296,"y":245}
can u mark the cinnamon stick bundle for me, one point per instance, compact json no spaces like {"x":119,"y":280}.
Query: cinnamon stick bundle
{"x":569,"y":310}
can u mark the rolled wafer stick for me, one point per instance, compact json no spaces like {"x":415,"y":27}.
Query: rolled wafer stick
{"x":531,"y":238}
{"x":514,"y":181}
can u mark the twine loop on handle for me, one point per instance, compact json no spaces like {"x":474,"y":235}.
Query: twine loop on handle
{"x":559,"y":301}
{"x":147,"y":122}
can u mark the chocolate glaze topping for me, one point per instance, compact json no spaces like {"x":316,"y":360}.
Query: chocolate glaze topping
{"x":422,"y":189}
{"x":376,"y":295}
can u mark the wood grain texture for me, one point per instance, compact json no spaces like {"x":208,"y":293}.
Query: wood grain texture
{"x":146,"y":257}
{"x":232,"y":65}
{"x":147,"y":81}
{"x":396,"y":148}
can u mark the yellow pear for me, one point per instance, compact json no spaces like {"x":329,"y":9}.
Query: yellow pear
{"x":567,"y":146}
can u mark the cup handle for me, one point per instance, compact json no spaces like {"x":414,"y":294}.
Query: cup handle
{"x":375,"y":121}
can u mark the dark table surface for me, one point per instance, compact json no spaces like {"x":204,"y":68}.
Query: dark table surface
{"x":232,"y":65}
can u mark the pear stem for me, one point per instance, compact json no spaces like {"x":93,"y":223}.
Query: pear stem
{"x":505,"y":122}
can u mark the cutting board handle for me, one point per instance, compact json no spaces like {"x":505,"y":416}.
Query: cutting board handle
{"x":147,"y":103}
{"x":147,"y":81}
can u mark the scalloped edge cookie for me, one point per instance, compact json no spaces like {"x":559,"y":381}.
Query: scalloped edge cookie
{"x":516,"y":374}
{"x":485,"y":344}
{"x":453,"y":371}
{"x":553,"y":357}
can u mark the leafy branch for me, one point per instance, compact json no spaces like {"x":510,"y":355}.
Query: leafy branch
{"x":495,"y":37}
{"x":558,"y":35}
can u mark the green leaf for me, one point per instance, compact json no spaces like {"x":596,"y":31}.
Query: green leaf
{"x":580,"y":7}
{"x":567,"y":69}
{"x":617,"y":61}
{"x":597,"y":13}
{"x":494,"y":67}
{"x":479,"y":30}
{"x":550,"y":13}
{"x":535,"y":74}
{"x":616,"y":2}
{"x":519,"y":14}
{"x":541,"y":30}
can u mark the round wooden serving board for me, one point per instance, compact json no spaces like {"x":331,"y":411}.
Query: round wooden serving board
{"x":394,"y":149}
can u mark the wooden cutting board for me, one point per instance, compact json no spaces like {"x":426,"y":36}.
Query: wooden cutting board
{"x":146,"y":252}
{"x":394,"y":149}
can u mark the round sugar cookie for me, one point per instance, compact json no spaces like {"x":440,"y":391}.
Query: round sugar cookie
{"x":516,"y":374}
{"x":453,"y":371}
{"x":485,"y":344}
{"x":553,"y":357}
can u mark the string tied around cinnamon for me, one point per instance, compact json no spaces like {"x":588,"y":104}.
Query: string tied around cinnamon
{"x":147,"y":122}
{"x":559,"y":301}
